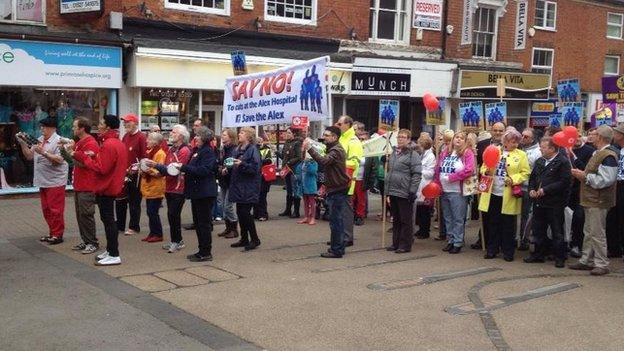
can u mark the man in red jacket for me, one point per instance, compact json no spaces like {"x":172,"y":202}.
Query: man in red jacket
{"x":109,"y":166}
{"x":135,"y":143}
{"x":84,"y":183}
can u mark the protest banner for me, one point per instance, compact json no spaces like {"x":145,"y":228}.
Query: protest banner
{"x":472,"y":115}
{"x":572,"y":113}
{"x":436,"y":118}
{"x":378,"y":145}
{"x":300,"y":122}
{"x":613,"y":89}
{"x":569,"y":90}
{"x":239,"y":63}
{"x":276,"y":96}
{"x":605,"y":114}
{"x":556,"y":120}
{"x":388,"y":115}
{"x":495,"y":112}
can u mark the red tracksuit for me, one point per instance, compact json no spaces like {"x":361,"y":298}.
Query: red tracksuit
{"x":84,"y":178}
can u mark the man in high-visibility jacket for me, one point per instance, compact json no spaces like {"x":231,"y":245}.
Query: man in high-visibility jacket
{"x":354,"y":151}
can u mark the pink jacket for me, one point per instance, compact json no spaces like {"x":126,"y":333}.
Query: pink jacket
{"x":468,"y":159}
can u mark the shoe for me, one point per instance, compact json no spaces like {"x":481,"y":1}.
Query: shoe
{"x":455,"y":250}
{"x":252,"y":245}
{"x":154,"y":239}
{"x":109,"y":261}
{"x":508,"y":258}
{"x":89,"y":249}
{"x":55,"y":240}
{"x":200,"y":258}
{"x":79,"y":247}
{"x":232,"y":234}
{"x":447,"y":248}
{"x":188,"y":257}
{"x":391,"y":248}
{"x":130,"y":232}
{"x":312,"y":221}
{"x":476,"y":246}
{"x":330,"y":255}
{"x":575,"y":252}
{"x":239,"y":243}
{"x":147,"y":238}
{"x":284,"y":214}
{"x":303,"y":221}
{"x":523,"y":247}
{"x":348,"y":243}
{"x":189,"y":226}
{"x":262,"y":219}
{"x":599,"y":271}
{"x":45,"y":238}
{"x":358,"y":221}
{"x":226,"y":231}
{"x":580,"y":267}
{"x":101,"y":256}
{"x":218,"y":219}
{"x":440,"y":238}
{"x":560,"y":263}
{"x":489,"y":257}
{"x":166,"y":246}
{"x":173,"y":247}
{"x":400,"y":251}
{"x":534,"y":259}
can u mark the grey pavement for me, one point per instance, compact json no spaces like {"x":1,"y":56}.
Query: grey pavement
{"x":283,"y":296}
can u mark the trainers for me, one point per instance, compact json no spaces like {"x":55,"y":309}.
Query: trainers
{"x":599,"y":271}
{"x":101,"y":255}
{"x":89,"y":249}
{"x":154,"y":239}
{"x":166,"y":246}
{"x":575,"y":252}
{"x":130,"y":232}
{"x":79,"y":247}
{"x":580,"y":267}
{"x":109,"y":261}
{"x":176,"y":247}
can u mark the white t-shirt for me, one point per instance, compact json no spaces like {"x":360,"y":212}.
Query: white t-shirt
{"x":498,"y":185}
{"x":451,"y":164}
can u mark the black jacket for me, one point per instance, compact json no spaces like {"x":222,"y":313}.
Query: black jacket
{"x":199,"y":178}
{"x":245,"y":181}
{"x":554,"y":178}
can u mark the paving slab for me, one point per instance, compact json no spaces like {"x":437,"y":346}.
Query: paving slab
{"x":148,"y":282}
{"x":181,"y":278}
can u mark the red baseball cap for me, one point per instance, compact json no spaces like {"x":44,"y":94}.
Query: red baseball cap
{"x":130,"y":118}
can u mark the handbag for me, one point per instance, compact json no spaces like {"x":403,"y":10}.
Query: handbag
{"x":516,"y":190}
{"x":268,"y":173}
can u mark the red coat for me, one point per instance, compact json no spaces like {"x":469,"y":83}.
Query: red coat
{"x":175,"y":184}
{"x":109,"y":165}
{"x":84,"y":178}
{"x":136,"y":147}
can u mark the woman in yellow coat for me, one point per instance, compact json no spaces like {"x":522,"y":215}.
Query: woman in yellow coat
{"x":153,"y":187}
{"x":500,"y":201}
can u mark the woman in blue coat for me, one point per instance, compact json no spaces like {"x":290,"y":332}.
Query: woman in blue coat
{"x":245,"y":187}
{"x":201,"y":187}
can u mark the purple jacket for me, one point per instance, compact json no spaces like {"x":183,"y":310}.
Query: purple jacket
{"x":468,"y":159}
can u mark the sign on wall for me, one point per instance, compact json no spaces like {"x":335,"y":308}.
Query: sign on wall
{"x":428,"y":14}
{"x":340,"y":82}
{"x":274,"y":97}
{"x":30,"y":10}
{"x":80,"y":6}
{"x":378,"y":83}
{"x":35,"y":63}
{"x":467,"y":20}
{"x":521,"y":25}
{"x":518,"y":86}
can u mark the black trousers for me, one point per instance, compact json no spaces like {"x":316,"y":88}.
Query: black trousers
{"x":402,"y":223}
{"x":202,"y":217}
{"x":501,"y":233}
{"x":578,"y":220}
{"x":260,"y":209}
{"x":423,"y":219}
{"x":247,"y":224}
{"x":175,"y":203}
{"x":553,"y":218}
{"x":106,"y":205}
{"x":615,"y":223}
{"x":133,"y":202}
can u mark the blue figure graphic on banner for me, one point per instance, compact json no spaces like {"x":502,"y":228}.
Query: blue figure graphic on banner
{"x":555,"y":120}
{"x":471,"y":114}
{"x":239,"y":63}
{"x":311,"y":93}
{"x":495,"y":112}
{"x":388,"y":114}
{"x":568,"y":90}
{"x":572,"y":113}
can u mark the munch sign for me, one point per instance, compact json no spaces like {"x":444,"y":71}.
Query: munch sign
{"x":374,"y":83}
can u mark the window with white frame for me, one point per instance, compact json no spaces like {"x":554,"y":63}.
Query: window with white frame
{"x":219,"y":7}
{"x":542,"y":60}
{"x":614,"y":25}
{"x":292,"y":11}
{"x":23,"y":11}
{"x":612,"y":65}
{"x":546,"y":14}
{"x":484,"y":33}
{"x":389,"y":20}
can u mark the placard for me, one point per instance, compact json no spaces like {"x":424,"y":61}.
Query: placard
{"x":572,"y":113}
{"x":613,"y":89}
{"x":389,"y":114}
{"x":495,"y":112}
{"x":428,"y":14}
{"x":569,"y":90}
{"x":436,"y":118}
{"x":471,"y":115}
{"x":555,"y":120}
{"x":239,"y":62}
{"x":605,"y":114}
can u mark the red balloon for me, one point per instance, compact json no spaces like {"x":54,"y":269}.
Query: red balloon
{"x":570,"y":132}
{"x":560,"y":139}
{"x":491,"y":156}
{"x":431,"y":102}
{"x":432,"y":190}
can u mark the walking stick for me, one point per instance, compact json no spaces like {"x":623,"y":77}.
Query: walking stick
{"x":384,"y":197}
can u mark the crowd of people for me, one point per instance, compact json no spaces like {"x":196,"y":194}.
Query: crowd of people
{"x":523,"y":199}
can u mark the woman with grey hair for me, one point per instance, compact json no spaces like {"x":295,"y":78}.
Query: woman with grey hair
{"x":503,"y":199}
{"x":201,"y":187}
{"x":153,"y":186}
{"x":179,"y":154}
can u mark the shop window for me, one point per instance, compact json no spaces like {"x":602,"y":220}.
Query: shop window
{"x":219,"y":7}
{"x":612,"y":66}
{"x":615,"y":21}
{"x":484,"y":33}
{"x":545,"y":15}
{"x":542,"y":60}
{"x":23,"y":11}
{"x":168,"y":107}
{"x":389,"y":21}
{"x":291,"y":11}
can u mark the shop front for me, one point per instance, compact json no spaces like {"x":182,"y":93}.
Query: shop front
{"x":522,"y":90}
{"x":41,"y":79}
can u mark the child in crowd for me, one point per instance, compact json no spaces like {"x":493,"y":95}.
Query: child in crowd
{"x":309,"y":188}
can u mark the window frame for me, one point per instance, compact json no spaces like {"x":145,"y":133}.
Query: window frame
{"x":199,"y":9}
{"x":495,"y":36}
{"x":407,"y":24}
{"x":604,"y":68}
{"x":275,"y":18}
{"x":543,"y":25}
{"x":621,"y":25}
{"x":33,"y":23}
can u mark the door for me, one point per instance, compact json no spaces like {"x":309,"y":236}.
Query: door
{"x":211,"y":115}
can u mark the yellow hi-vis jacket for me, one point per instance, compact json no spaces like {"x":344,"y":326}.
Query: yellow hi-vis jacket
{"x":354,"y":151}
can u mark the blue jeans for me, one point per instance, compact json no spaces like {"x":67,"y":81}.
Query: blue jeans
{"x":336,"y":203}
{"x":454,"y":207}
{"x":229,"y":212}
{"x":153,"y":207}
